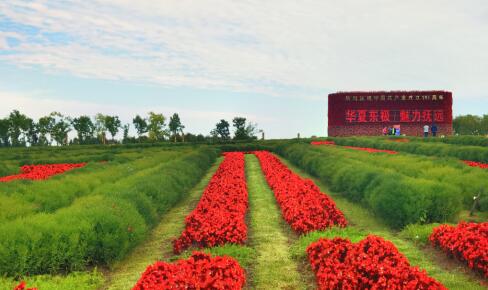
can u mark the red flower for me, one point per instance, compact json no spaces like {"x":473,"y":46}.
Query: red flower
{"x":372,"y":263}
{"x":200,"y":271}
{"x":476,"y":164}
{"x":219,"y":217}
{"x":22,"y":286}
{"x":302,"y":204}
{"x":41,"y":172}
{"x":467,"y":241}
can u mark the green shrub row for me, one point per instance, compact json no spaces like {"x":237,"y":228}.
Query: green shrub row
{"x":22,"y":197}
{"x":100,"y":228}
{"x":472,"y":153}
{"x":398,"y":199}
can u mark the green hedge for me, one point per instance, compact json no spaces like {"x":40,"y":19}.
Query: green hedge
{"x":473,"y":153}
{"x":101,"y":228}
{"x":397,"y":198}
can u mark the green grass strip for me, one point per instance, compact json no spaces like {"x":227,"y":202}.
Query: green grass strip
{"x":159,"y":245}
{"x":273,"y":268}
{"x":77,"y":280}
{"x":362,"y":222}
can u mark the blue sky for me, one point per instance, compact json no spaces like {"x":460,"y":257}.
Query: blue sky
{"x":273,"y":61}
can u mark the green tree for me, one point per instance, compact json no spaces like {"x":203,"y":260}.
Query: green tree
{"x":140,"y":124}
{"x":175,"y":126}
{"x":221,"y":130}
{"x":113,"y":124}
{"x":100,"y":128}
{"x":45,"y":126}
{"x":32,"y":132}
{"x":156,"y":127}
{"x":240,"y":128}
{"x":467,"y":125}
{"x":4,"y":132}
{"x":18,"y":124}
{"x":61,"y":128}
{"x":126,"y":128}
{"x":84,"y":128}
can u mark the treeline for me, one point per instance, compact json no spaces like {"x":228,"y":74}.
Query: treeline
{"x":470,"y":125}
{"x":19,"y":130}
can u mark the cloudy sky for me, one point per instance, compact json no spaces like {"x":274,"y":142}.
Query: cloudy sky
{"x":272,"y":61}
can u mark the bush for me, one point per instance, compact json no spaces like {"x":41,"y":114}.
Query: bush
{"x":397,"y":198}
{"x":102,"y":227}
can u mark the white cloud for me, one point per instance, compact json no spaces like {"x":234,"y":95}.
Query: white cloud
{"x":261,"y":46}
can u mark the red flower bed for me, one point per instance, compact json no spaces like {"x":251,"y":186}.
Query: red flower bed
{"x":41,"y":172}
{"x":302,"y":204}
{"x":476,"y":164}
{"x":371,"y":150}
{"x":372,"y":263}
{"x":200,"y":271}
{"x":322,"y":143}
{"x":22,"y":286}
{"x":219,"y":217}
{"x":466,"y":241}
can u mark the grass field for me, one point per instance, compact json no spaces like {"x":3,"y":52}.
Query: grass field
{"x":100,"y":226}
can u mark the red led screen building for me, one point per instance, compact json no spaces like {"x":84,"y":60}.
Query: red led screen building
{"x":367,"y":113}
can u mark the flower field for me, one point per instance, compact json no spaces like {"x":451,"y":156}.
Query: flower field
{"x":219,"y":217}
{"x":200,"y":271}
{"x":467,"y":242}
{"x":373,"y":263}
{"x":263,"y":215}
{"x":302,"y":203}
{"x":41,"y":172}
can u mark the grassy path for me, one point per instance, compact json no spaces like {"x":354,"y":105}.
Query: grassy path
{"x":158,"y":246}
{"x":269,"y":236}
{"x":451,"y":273}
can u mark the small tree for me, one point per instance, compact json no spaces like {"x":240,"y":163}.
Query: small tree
{"x":156,"y":127}
{"x":175,"y":125}
{"x":221,"y":130}
{"x":4,"y":132}
{"x":84,"y":127}
{"x":61,"y":128}
{"x":140,"y":124}
{"x":240,"y":128}
{"x":18,"y":123}
{"x":100,"y":127}
{"x":126,"y":128}
{"x":113,"y":124}
{"x":45,"y":126}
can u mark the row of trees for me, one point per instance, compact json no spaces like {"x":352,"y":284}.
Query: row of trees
{"x":470,"y":125}
{"x":20,"y":130}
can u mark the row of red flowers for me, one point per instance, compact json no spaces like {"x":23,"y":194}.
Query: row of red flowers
{"x":302,"y":204}
{"x":200,"y":271}
{"x":40,"y":172}
{"x":322,"y":143}
{"x":466,"y":241}
{"x":22,"y":286}
{"x":476,"y":164}
{"x":219,"y":217}
{"x":373,"y":263}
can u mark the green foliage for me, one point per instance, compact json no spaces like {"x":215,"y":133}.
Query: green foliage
{"x":76,"y":280}
{"x":140,"y":124}
{"x":157,"y":127}
{"x":470,"y":125}
{"x":415,"y":146}
{"x":221,"y":130}
{"x":385,"y":184}
{"x":417,"y":233}
{"x":94,"y":215}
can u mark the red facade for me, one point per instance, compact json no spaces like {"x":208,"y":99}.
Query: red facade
{"x":367,"y":113}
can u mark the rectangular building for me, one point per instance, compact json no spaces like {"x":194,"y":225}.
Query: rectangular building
{"x":367,"y":113}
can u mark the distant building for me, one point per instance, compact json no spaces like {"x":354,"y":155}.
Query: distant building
{"x":367,"y":113}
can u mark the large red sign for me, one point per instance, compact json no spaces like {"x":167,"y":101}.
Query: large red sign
{"x":397,"y":107}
